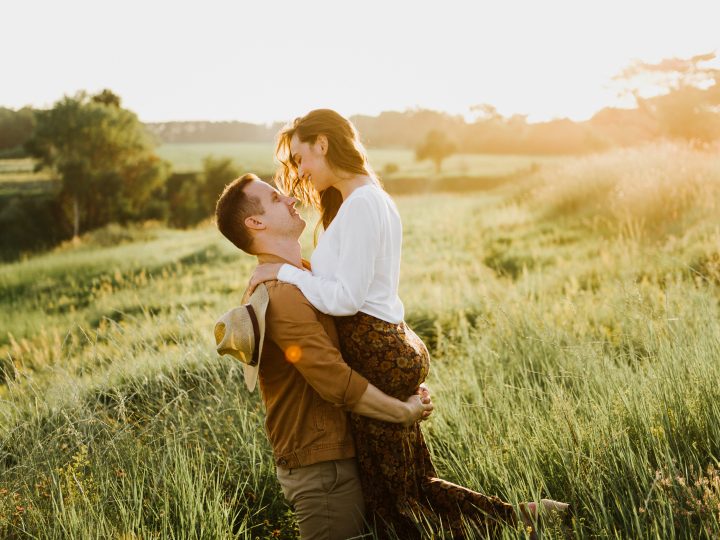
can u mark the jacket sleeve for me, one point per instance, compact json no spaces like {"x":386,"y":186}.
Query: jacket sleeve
{"x":293,"y":324}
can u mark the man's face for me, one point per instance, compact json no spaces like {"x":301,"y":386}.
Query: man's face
{"x":280,"y":217}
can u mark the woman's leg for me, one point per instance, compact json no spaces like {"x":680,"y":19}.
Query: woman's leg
{"x":400,"y":484}
{"x":457,"y":504}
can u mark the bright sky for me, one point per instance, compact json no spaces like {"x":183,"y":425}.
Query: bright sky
{"x":261,"y":61}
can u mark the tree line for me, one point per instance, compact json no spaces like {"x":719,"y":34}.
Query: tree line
{"x":688,"y":109}
{"x":107,"y":171}
{"x":212,"y":132}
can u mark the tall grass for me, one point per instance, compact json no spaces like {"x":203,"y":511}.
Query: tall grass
{"x":571,"y":359}
{"x":656,"y":190}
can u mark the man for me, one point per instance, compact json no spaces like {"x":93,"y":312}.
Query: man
{"x":306,"y":386}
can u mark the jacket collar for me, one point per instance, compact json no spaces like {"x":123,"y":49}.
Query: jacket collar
{"x":272,"y":258}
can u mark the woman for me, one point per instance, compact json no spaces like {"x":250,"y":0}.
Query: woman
{"x":355,"y":276}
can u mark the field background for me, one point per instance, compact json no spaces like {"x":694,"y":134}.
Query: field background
{"x":18,"y":176}
{"x":258,"y":157}
{"x":571,"y":314}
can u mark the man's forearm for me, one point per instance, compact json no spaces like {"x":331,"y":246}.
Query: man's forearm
{"x":378,"y":405}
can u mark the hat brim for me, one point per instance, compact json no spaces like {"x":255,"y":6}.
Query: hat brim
{"x":259,"y":302}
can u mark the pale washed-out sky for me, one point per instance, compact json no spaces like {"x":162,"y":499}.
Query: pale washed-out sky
{"x":263,"y":61}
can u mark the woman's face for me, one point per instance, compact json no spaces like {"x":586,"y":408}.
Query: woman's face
{"x":311,"y":162}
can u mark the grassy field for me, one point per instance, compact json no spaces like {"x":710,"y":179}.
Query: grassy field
{"x":18,"y":177}
{"x":258,"y":157}
{"x":465,"y":171}
{"x":572,"y":317}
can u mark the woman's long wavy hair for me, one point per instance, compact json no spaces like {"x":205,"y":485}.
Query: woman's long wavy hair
{"x":345,"y":154}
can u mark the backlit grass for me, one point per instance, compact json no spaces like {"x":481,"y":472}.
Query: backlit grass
{"x":572,"y":359}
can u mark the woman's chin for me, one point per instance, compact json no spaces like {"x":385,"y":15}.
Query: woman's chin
{"x":320,"y":186}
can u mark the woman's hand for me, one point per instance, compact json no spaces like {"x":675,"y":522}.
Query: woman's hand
{"x":263,"y":272}
{"x":418,"y":408}
{"x":424,"y":393}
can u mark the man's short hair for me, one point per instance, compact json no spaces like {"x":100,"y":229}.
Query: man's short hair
{"x":233,"y":207}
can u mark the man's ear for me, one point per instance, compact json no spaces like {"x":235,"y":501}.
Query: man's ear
{"x":254,"y":223}
{"x":322,"y":144}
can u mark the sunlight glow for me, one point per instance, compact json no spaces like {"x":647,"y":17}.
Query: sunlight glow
{"x":264,"y":62}
{"x":293,"y":354}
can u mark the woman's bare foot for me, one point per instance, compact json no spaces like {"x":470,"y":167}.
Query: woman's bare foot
{"x":531,"y":514}
{"x":528,"y":517}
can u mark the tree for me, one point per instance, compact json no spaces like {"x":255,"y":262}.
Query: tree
{"x":107,"y":97}
{"x":436,"y":147}
{"x":182,"y":192}
{"x":103,"y":157}
{"x":192,"y":195}
{"x":16,"y":128}
{"x":217,"y":173}
{"x":392,"y":128}
{"x":688,"y":106}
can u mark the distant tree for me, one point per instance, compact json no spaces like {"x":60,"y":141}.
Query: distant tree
{"x":16,"y":128}
{"x":405,"y":129}
{"x":390,"y":168}
{"x":624,"y":127}
{"x":30,"y":222}
{"x":103,"y":157}
{"x":688,"y":106}
{"x":183,"y":196}
{"x":216,"y":174}
{"x":485,"y":112}
{"x":436,"y":147}
{"x":192,"y":196}
{"x":107,"y":97}
{"x":493,"y":133}
{"x":204,"y":131}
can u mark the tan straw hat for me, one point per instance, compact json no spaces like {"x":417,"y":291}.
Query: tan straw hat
{"x":241,"y":331}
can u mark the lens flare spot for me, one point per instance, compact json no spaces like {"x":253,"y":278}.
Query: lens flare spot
{"x":293,"y":353}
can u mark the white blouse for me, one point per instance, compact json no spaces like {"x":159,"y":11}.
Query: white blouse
{"x":356,"y":264}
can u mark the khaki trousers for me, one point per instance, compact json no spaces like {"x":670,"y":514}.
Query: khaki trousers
{"x":327,"y":498}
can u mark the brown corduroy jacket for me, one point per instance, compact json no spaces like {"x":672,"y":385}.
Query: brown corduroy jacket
{"x":306,"y":386}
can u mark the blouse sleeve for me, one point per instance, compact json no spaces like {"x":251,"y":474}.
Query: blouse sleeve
{"x":346,"y":292}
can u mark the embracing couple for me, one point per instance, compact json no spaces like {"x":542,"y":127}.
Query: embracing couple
{"x":339,"y":370}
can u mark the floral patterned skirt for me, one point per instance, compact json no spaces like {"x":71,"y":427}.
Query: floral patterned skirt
{"x":401,"y":488}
